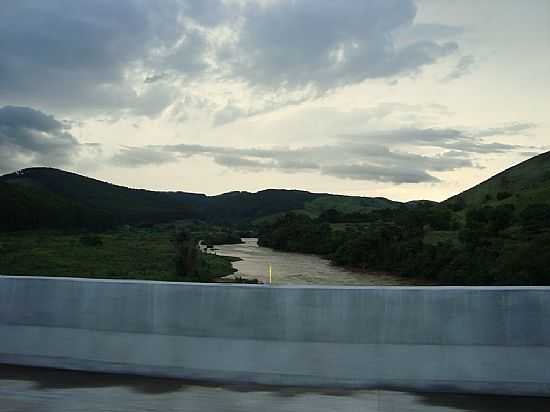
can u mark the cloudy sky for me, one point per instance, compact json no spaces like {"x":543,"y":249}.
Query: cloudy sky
{"x":397,"y":98}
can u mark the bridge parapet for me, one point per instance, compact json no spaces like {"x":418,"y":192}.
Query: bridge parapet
{"x":459,"y":339}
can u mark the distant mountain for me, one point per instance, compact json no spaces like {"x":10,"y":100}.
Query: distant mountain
{"x":521,"y":185}
{"x":74,"y":193}
{"x":47,"y":197}
{"x":26,"y":207}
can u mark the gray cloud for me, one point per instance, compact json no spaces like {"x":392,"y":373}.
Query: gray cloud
{"x":467,"y":142}
{"x":188,"y":56}
{"x":241,"y":163}
{"x":81,"y":54}
{"x":359,"y":157}
{"x":142,"y":156}
{"x":30,"y":137}
{"x":227,"y":114}
{"x":509,"y":130}
{"x":462,"y":68}
{"x":379,"y":173}
{"x":353,"y":161}
{"x":232,"y":112}
{"x":130,"y":56}
{"x":155,"y":77}
{"x":292,"y":165}
{"x":384,"y":156}
{"x":478,"y":147}
{"x":430,"y":31}
{"x":324,"y":44}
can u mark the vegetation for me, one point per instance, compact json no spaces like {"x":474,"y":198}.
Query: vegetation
{"x":222,"y":237}
{"x":55,"y":199}
{"x":347,"y":204}
{"x":495,"y":233}
{"x":23,"y":208}
{"x":522,"y":185}
{"x":425,"y":241}
{"x":91,"y":240}
{"x":151,"y":254}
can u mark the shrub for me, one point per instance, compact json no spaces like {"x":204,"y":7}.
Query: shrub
{"x":187,"y":254}
{"x":536,"y":217}
{"x":91,"y":240}
{"x":458,"y":205}
{"x":503,"y":195}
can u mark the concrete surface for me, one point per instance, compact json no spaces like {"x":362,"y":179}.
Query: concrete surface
{"x":28,"y":389}
{"x":478,"y":340}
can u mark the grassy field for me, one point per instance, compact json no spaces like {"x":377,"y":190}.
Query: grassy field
{"x":133,"y":254}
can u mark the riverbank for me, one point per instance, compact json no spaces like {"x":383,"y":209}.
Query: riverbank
{"x":414,"y":281}
{"x":146,"y":254}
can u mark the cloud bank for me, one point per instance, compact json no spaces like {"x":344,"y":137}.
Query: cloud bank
{"x":390,"y":156}
{"x":28,"y":136}
{"x":31,"y":137}
{"x":138,"y":57}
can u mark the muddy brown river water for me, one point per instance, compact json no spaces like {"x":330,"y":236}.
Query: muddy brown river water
{"x":298,"y":268}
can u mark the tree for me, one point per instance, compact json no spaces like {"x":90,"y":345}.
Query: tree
{"x":536,"y":217}
{"x":503,"y":195}
{"x":501,"y":218}
{"x":187,"y":254}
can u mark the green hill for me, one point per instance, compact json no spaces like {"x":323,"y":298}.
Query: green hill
{"x":64,"y":190}
{"x":24,"y":207}
{"x":496,"y":233}
{"x":348,"y":204}
{"x":521,"y":185}
{"x":47,"y":197}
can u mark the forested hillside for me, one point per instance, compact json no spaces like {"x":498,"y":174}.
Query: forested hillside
{"x":25,"y":207}
{"x":45,"y":197}
{"x":495,"y":233}
{"x":522,"y":185}
{"x":117,"y":204}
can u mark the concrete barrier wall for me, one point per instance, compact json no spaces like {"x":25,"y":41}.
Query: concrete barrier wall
{"x":486,"y":340}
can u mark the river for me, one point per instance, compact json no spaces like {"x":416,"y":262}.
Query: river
{"x":298,"y":268}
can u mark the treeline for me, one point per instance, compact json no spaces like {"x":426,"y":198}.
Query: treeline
{"x":192,"y":264}
{"x":224,"y":237}
{"x":93,"y":203}
{"x":23,"y":208}
{"x":485,"y":245}
{"x":50,"y":198}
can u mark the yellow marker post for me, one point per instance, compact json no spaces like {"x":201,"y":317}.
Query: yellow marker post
{"x":269,"y":267}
